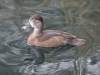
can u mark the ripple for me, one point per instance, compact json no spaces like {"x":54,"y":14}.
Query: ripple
{"x":28,"y":2}
{"x":20,"y":43}
{"x":2,"y":1}
{"x":49,"y":11}
{"x":40,"y":69}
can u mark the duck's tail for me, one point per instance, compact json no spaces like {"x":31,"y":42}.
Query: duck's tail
{"x":78,"y":42}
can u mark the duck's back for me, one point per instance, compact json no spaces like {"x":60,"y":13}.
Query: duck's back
{"x":53,"y":38}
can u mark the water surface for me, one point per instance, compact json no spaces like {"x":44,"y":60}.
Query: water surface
{"x":78,"y":17}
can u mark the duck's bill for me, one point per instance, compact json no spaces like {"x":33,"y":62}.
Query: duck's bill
{"x":26,"y":26}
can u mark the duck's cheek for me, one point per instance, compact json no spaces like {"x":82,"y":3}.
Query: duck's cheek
{"x":31,"y":23}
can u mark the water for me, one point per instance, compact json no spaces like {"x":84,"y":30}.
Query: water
{"x":79,"y":17}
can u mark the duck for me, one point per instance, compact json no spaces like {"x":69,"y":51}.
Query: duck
{"x":49,"y":38}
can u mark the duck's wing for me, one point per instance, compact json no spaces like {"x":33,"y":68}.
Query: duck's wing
{"x":48,"y":34}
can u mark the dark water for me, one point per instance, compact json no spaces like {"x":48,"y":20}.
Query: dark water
{"x":79,"y":17}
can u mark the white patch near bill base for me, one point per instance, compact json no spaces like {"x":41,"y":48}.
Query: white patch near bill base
{"x":24,"y":27}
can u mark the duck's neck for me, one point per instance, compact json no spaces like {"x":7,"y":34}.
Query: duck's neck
{"x":37,"y":31}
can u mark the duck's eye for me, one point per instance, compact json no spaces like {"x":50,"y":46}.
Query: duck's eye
{"x":34,"y":20}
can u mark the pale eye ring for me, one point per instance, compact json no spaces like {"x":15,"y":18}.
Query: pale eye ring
{"x":34,"y":20}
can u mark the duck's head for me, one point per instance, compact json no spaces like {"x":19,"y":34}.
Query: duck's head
{"x":35,"y":21}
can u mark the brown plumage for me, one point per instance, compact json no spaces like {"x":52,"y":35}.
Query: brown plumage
{"x":49,"y":38}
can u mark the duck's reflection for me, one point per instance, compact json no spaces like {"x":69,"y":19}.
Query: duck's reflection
{"x":38,"y":57}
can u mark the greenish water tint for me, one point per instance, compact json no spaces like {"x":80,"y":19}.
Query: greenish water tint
{"x":79,"y":17}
